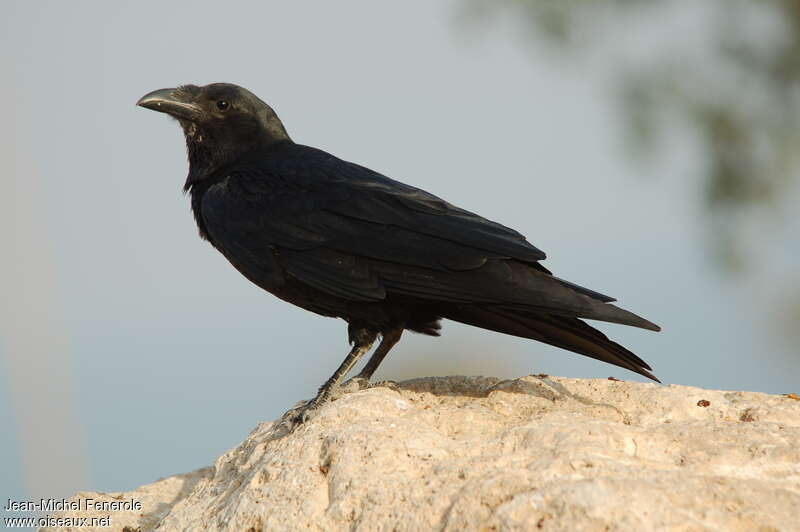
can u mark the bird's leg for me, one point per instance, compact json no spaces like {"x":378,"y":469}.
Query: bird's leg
{"x":362,"y":339}
{"x":390,"y":339}
{"x":351,"y":360}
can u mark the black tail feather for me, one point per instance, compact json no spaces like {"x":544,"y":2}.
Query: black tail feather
{"x":564,"y":332}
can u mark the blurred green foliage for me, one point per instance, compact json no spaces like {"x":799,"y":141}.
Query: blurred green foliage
{"x":725,"y":71}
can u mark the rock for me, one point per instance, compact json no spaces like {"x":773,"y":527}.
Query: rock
{"x":476,"y":453}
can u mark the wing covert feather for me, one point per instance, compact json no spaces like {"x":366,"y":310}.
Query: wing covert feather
{"x":353,"y":233}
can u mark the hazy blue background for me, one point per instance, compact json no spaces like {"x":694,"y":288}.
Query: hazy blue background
{"x":132,"y":350}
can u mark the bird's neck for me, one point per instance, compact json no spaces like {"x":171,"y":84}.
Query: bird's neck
{"x":210,"y":160}
{"x":202,"y":162}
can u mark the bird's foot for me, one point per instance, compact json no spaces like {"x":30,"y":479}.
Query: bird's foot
{"x":300,"y":413}
{"x":392,"y":385}
{"x":304,"y":411}
{"x":356,"y":384}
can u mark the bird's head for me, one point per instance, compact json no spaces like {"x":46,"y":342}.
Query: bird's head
{"x":221,"y":122}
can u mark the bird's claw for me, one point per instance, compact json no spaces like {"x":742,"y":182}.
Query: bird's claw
{"x":301,"y":413}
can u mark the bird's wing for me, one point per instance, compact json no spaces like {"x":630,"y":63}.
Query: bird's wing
{"x":356,"y":234}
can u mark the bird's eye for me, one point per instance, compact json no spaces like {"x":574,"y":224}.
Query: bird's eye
{"x":223,"y":105}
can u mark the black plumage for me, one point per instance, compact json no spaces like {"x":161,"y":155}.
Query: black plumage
{"x":341,"y":240}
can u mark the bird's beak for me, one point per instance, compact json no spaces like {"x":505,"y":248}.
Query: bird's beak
{"x":174,"y":102}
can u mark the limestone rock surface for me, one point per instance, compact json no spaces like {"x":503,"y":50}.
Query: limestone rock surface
{"x":478,"y":453}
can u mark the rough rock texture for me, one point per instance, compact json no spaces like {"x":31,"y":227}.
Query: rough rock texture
{"x":464,"y":453}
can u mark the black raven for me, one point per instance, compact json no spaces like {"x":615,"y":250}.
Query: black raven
{"x":341,"y":240}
